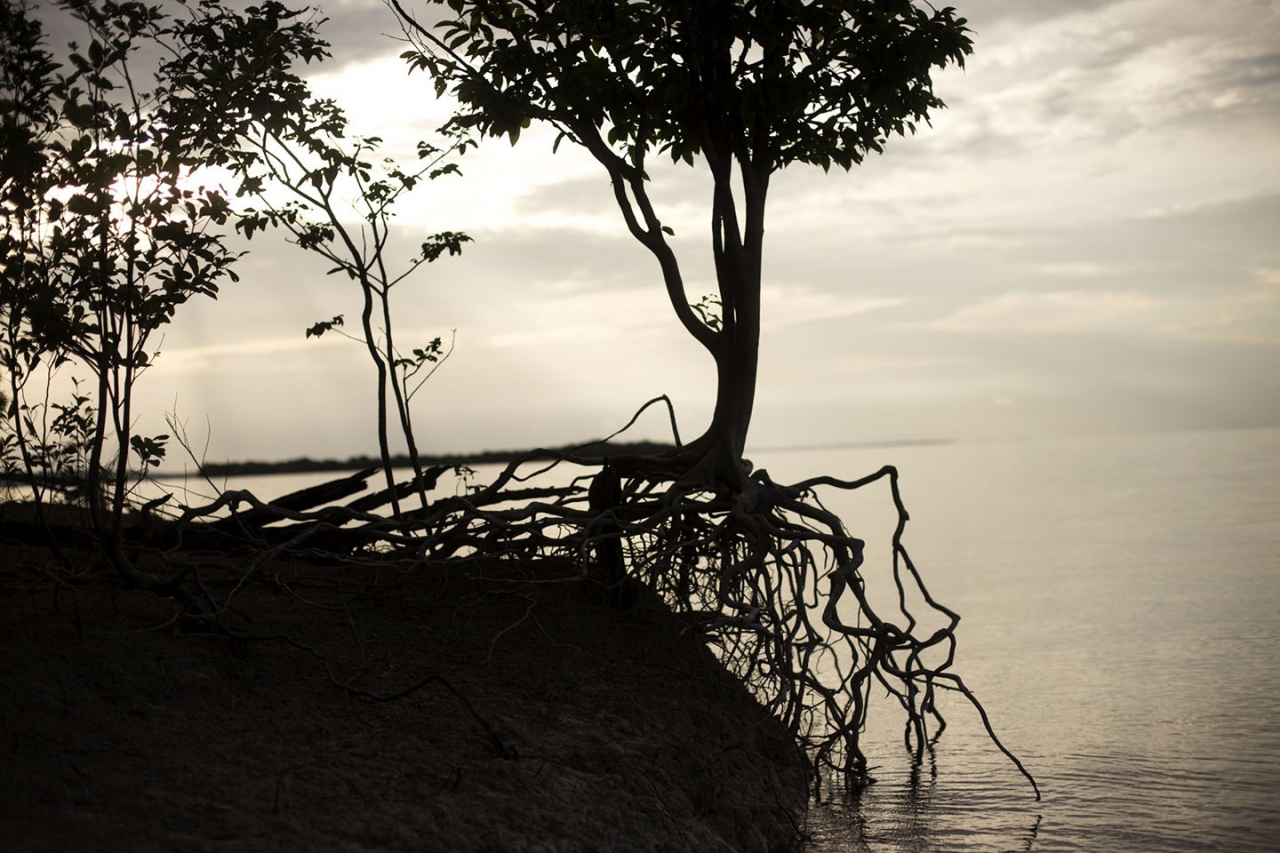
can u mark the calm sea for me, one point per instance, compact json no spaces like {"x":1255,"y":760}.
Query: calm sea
{"x":1120,"y":602}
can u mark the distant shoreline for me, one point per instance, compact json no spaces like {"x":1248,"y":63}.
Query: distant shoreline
{"x":306,"y":465}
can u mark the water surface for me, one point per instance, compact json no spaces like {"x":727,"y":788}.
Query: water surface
{"x":1121,"y":607}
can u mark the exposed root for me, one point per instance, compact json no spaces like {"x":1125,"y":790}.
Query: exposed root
{"x":771,"y":578}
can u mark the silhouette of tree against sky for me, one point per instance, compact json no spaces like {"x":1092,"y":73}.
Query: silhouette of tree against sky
{"x":162,"y":93}
{"x":749,"y":88}
{"x":106,"y":235}
{"x":303,"y":170}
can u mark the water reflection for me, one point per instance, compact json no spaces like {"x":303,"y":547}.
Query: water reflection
{"x":912,"y":813}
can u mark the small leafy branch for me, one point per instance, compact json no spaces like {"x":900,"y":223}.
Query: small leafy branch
{"x":435,"y":353}
{"x":150,"y":451}
{"x":319,"y":328}
{"x":708,"y":309}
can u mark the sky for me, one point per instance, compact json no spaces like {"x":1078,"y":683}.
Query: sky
{"x":1086,"y":241}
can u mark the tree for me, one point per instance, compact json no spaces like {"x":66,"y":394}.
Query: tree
{"x":107,"y":232}
{"x":109,"y":229}
{"x":294,"y":157}
{"x":748,"y":86}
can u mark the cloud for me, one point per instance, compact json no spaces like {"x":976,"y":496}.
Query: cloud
{"x":792,"y":305}
{"x":984,"y":15}
{"x":1061,"y":312}
{"x":1249,"y":315}
{"x":1108,"y":68}
{"x":1072,"y":114}
{"x":360,"y":30}
{"x":280,"y":352}
{"x":581,"y":320}
{"x":584,"y":199}
{"x":1078,"y":269}
{"x":867,"y":364}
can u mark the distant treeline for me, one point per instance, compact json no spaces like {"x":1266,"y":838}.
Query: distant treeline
{"x":359,"y":463}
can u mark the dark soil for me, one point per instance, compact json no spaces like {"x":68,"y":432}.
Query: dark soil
{"x":530,"y":716}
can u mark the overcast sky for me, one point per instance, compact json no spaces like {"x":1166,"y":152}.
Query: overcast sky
{"x":1087,"y":240}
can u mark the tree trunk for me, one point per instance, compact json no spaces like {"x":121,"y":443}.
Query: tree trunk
{"x":716,"y":456}
{"x":384,"y":448}
{"x":735,"y":393}
{"x":738,"y":253}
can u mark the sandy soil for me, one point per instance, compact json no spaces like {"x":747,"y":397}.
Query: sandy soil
{"x":533,"y":717}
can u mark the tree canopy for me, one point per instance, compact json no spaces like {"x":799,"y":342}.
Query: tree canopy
{"x":769,"y":82}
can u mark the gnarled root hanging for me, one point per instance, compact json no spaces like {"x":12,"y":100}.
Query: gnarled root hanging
{"x":765,"y":572}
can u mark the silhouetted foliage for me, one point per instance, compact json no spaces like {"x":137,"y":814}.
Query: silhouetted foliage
{"x":108,"y":231}
{"x":111,"y":224}
{"x":281,"y":142}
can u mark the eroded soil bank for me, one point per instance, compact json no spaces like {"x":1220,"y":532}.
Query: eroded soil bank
{"x":553,"y":722}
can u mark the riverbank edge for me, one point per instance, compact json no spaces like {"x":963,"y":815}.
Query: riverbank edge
{"x":529,"y":715}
